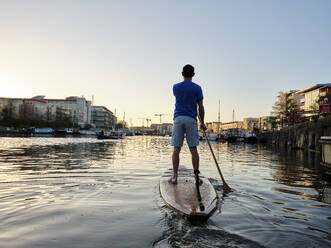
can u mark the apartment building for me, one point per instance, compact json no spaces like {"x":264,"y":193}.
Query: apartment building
{"x":289,"y":99}
{"x":311,"y":94}
{"x":233,"y":124}
{"x":164,"y":128}
{"x":73,"y":108}
{"x":265,"y":123}
{"x":214,"y":126}
{"x":103,"y":117}
{"x":250,"y":123}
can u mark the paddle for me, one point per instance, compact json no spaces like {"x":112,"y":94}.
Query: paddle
{"x":226,"y":187}
{"x":197,"y":184}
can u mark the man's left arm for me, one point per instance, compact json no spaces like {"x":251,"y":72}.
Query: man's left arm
{"x":201,"y":111}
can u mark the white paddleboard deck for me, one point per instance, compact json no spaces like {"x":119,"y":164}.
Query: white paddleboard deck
{"x":183,"y":195}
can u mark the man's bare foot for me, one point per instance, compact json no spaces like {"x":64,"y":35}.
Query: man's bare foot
{"x":172,"y":180}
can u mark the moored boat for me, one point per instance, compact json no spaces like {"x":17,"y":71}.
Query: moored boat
{"x":43,"y":130}
{"x":235,"y":135}
{"x":8,"y":130}
{"x":87,"y":132}
{"x":103,"y":137}
{"x":250,"y":138}
{"x":326,"y":151}
{"x":64,"y":131}
{"x":211,"y":136}
{"x":60,"y":132}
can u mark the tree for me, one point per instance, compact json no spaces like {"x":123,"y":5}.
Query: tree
{"x":273,"y":122}
{"x":320,"y":100}
{"x":24,"y":111}
{"x":63,"y":114}
{"x":49,"y":115}
{"x":87,"y":126}
{"x":284,"y":109}
{"x":37,"y":114}
{"x":8,"y":111}
{"x":315,"y":105}
{"x":59,"y":113}
{"x":292,"y":109}
{"x":279,"y":109}
{"x":121,"y":124}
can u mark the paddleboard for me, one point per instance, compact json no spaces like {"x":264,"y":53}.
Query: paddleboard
{"x":183,"y":195}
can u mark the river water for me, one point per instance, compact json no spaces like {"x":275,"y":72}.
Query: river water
{"x":81,"y":192}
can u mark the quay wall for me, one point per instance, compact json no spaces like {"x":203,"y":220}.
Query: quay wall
{"x":299,"y":136}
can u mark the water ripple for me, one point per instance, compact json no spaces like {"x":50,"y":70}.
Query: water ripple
{"x":81,"y":192}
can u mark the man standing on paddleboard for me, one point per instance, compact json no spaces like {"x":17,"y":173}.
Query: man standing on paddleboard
{"x":188,"y":97}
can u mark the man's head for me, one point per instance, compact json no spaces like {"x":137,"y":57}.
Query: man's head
{"x":188,"y":71}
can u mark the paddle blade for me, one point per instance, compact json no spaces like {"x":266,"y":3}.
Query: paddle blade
{"x":226,"y":187}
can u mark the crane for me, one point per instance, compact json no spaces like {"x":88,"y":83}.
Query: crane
{"x":160,"y":115}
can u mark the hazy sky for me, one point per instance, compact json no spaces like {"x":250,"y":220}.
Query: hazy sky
{"x":128,"y":54}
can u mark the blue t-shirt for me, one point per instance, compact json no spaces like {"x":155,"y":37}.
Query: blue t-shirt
{"x":187,"y":94}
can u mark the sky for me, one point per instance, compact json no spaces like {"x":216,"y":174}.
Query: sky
{"x":129,"y":53}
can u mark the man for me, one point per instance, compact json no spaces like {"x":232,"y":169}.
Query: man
{"x":188,"y":96}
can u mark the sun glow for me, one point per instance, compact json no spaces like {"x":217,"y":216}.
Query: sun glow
{"x":11,"y":86}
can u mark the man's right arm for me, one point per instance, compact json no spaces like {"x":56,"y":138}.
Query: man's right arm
{"x":202,"y":115}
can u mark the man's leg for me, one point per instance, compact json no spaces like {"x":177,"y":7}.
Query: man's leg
{"x":175,"y":164}
{"x":192,"y":138}
{"x":177,"y":143}
{"x":195,"y":157}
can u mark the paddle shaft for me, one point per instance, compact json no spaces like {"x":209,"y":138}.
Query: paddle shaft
{"x":197,"y":184}
{"x":225,"y":185}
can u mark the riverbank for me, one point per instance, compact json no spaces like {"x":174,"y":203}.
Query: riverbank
{"x":299,"y":136}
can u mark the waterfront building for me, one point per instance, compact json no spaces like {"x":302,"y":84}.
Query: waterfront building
{"x":289,"y":101}
{"x":22,"y":108}
{"x":266,"y":123}
{"x":163,"y":129}
{"x":74,"y":109}
{"x":103,"y":118}
{"x":250,"y":123}
{"x":140,"y":130}
{"x":233,"y":124}
{"x":214,"y":126}
{"x":78,"y":109}
{"x":311,"y":95}
{"x":291,"y":97}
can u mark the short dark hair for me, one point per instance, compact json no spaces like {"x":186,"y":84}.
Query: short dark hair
{"x":188,"y":71}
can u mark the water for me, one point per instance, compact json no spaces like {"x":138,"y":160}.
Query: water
{"x":81,"y":192}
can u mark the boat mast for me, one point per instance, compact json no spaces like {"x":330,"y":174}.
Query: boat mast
{"x":92,"y":109}
{"x":219,"y":116}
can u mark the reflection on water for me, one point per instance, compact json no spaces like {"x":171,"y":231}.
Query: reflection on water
{"x":81,"y":192}
{"x":53,"y":157}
